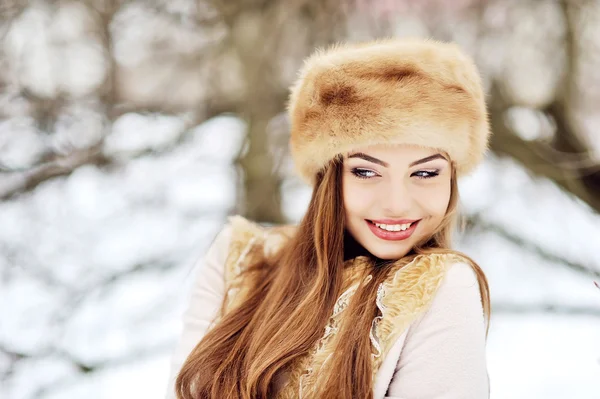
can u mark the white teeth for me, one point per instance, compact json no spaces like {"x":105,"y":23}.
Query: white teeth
{"x":393,"y":227}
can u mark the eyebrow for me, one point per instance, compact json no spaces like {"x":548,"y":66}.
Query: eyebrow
{"x":383,"y":163}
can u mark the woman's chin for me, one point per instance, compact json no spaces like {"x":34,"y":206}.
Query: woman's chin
{"x":387,"y":253}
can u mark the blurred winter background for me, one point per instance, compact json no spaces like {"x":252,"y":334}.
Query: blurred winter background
{"x":129,"y":130}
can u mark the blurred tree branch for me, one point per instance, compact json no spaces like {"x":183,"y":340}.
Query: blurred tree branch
{"x":580,"y":177}
{"x":582,"y":181}
{"x":18,"y":182}
{"x":82,"y":366}
{"x":77,"y":297}
{"x":476,"y":222}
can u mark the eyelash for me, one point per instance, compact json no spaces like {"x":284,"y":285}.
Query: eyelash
{"x":356,"y":172}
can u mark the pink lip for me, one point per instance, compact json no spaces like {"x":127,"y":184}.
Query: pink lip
{"x":392,"y":235}
{"x":394,"y":221}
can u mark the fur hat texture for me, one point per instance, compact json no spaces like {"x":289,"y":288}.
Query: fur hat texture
{"x":396,"y":91}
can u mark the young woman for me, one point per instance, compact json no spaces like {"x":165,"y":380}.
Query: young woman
{"x":364,"y":298}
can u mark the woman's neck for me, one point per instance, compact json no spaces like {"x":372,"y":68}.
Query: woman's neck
{"x":353,"y":248}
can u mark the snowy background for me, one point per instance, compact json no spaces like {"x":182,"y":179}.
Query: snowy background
{"x":129,"y":130}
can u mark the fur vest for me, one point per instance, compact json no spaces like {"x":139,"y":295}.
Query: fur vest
{"x":406,"y":293}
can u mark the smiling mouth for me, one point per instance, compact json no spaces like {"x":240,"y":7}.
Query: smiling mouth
{"x":392,"y":232}
{"x":393,"y":227}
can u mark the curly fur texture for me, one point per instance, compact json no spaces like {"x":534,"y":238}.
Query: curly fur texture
{"x":411,"y":91}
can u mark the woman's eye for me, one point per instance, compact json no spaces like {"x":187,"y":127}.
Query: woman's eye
{"x":363,"y":173}
{"x":424,"y":174}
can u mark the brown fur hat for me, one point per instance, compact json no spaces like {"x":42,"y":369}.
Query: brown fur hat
{"x":412,"y":91}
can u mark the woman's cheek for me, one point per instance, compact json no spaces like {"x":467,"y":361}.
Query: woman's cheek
{"x":436,"y":199}
{"x":356,"y":199}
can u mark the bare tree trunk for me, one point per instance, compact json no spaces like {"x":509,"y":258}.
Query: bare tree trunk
{"x":252,"y":40}
{"x":256,"y":34}
{"x":262,"y":195}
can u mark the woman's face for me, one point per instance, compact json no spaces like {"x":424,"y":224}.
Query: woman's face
{"x":392,"y":184}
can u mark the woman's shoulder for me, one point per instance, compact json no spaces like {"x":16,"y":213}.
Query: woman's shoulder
{"x":245,"y":232}
{"x":242,"y":241}
{"x":458,"y":288}
{"x":460,"y":283}
{"x":432,"y":269}
{"x":446,"y":269}
{"x":413,"y":290}
{"x":460,"y":274}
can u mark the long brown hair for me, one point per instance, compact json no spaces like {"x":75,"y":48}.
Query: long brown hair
{"x":277,"y":324}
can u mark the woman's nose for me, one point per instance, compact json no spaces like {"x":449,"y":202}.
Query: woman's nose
{"x":396,"y":200}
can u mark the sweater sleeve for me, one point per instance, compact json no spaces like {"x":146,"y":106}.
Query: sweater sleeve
{"x":444,"y":355}
{"x":207,"y":294}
